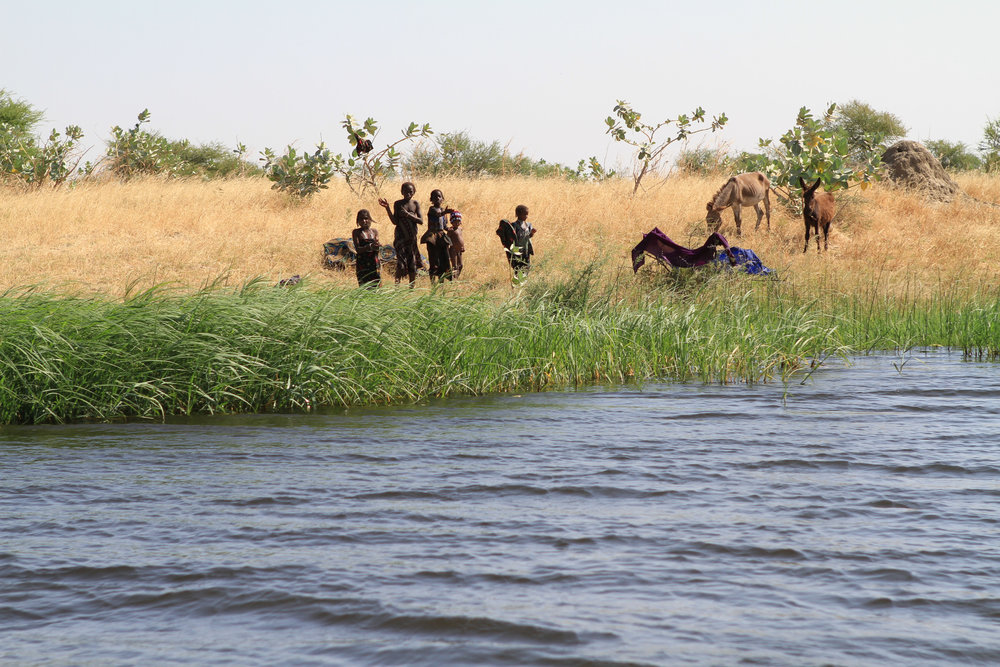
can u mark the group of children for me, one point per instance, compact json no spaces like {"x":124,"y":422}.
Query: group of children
{"x":443,"y":239}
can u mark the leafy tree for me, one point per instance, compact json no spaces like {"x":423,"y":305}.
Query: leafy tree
{"x":747,"y":161}
{"x":990,"y":145}
{"x":627,"y":127}
{"x":18,"y":118}
{"x":813,"y":149}
{"x":456,"y":153}
{"x":955,"y":156}
{"x":991,"y":137}
{"x":137,"y":152}
{"x":211,"y":160}
{"x":37,"y":164}
{"x":459,"y":154}
{"x":703,"y":161}
{"x":22,"y":157}
{"x":366,"y":169}
{"x":301,"y":175}
{"x":591,"y":169}
{"x":864,"y":126}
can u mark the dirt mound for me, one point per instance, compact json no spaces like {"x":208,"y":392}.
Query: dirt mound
{"x":911,"y":165}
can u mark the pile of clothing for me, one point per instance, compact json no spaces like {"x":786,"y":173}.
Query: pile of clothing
{"x":659,"y":245}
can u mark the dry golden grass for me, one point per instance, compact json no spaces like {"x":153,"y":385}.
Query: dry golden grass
{"x":105,"y":237}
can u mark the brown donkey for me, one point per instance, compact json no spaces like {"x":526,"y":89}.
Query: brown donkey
{"x":739,"y":191}
{"x":817,"y":210}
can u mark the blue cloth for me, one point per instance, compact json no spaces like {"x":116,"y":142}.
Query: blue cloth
{"x":746,"y":260}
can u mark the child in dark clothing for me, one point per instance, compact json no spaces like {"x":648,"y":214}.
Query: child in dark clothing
{"x":436,"y":238}
{"x":366,"y":246}
{"x":516,"y":239}
{"x":405,"y":215}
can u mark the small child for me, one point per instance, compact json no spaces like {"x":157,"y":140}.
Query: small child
{"x":366,"y":247}
{"x":457,"y":244}
{"x":437,"y":239}
{"x":516,"y":239}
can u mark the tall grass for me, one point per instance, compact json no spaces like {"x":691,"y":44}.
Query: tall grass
{"x":101,"y":238}
{"x":100,"y":337}
{"x":257,"y":348}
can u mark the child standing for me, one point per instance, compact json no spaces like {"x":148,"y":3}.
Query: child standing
{"x":405,"y":215}
{"x":436,"y":238}
{"x":516,"y":239}
{"x":366,"y":246}
{"x":457,"y":244}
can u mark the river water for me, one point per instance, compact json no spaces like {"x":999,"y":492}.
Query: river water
{"x":850,"y":520}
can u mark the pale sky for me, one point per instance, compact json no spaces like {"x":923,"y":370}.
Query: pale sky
{"x":539,"y":75}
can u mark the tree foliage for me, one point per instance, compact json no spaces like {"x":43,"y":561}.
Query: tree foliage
{"x":366,"y":169}
{"x":864,"y":126}
{"x":813,"y":149}
{"x":626,"y":126}
{"x":18,"y":118}
{"x":136,"y":151}
{"x":458,"y":154}
{"x":301,"y":174}
{"x":209,"y":161}
{"x":703,"y":161}
{"x":139,"y":152}
{"x":990,"y":145}
{"x":954,"y":156}
{"x":23,"y":158}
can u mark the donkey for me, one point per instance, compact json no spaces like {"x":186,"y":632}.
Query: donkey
{"x":817,"y":210}
{"x":739,"y":191}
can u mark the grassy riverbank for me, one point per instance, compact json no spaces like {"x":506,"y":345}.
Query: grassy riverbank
{"x":262,"y":348}
{"x":88,"y":344}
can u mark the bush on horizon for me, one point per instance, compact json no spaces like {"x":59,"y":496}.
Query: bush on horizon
{"x":458,"y":154}
{"x":954,"y":156}
{"x":23,"y":158}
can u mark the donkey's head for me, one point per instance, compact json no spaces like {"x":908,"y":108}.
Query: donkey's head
{"x":714,"y":216}
{"x":808,"y":199}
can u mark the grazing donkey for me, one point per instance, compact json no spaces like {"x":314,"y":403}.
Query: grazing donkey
{"x":817,"y":210}
{"x":739,"y":191}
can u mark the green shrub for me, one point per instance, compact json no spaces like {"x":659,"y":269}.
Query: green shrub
{"x":813,"y":149}
{"x":865,"y":126}
{"x":211,"y":160}
{"x":954,"y":156}
{"x":703,"y":161}
{"x":458,"y":154}
{"x":23,"y":158}
{"x":297,"y":174}
{"x":136,"y":152}
{"x":990,"y":146}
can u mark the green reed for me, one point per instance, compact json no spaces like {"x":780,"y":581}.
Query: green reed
{"x":261,"y":348}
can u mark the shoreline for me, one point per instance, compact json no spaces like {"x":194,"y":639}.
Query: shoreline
{"x":263,"y":349}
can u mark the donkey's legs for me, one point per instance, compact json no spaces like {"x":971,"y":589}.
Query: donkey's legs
{"x":739,"y":219}
{"x":760,"y":215}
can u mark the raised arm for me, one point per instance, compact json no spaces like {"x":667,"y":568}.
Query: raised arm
{"x":388,"y":211}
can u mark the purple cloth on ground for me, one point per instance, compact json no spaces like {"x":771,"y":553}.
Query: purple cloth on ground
{"x":659,"y":245}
